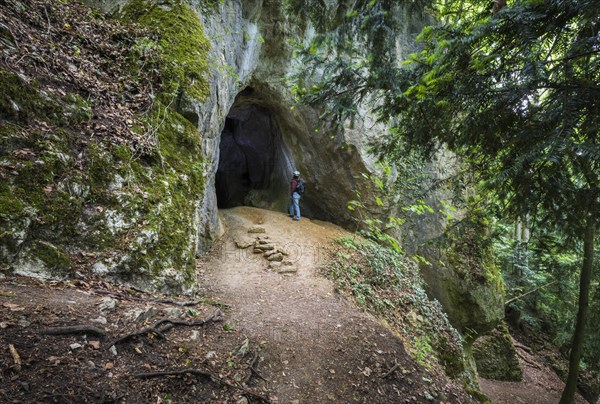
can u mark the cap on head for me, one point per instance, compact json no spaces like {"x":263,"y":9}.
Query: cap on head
{"x":296,"y":173}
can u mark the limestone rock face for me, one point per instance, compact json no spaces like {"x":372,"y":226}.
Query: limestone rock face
{"x":254,"y":135}
{"x":461,"y":274}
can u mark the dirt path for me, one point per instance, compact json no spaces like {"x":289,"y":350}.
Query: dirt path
{"x":540,"y":384}
{"x":317,"y":347}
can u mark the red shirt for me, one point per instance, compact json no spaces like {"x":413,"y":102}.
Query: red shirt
{"x":293,"y":186}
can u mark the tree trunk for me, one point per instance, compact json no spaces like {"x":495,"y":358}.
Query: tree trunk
{"x":584,"y":291}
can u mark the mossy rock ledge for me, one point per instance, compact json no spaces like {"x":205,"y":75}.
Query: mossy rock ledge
{"x":73,"y":204}
{"x":69,"y":207}
{"x":462,"y":276}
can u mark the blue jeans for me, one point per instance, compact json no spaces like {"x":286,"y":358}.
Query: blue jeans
{"x":295,"y":205}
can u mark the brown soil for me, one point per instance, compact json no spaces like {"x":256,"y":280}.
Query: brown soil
{"x":317,"y":346}
{"x":540,"y":384}
{"x":306,"y":344}
{"x":55,"y":371}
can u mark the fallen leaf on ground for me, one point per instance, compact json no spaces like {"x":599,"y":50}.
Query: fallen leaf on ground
{"x":13,"y":307}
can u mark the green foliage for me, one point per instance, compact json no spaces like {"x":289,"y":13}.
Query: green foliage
{"x":348,"y":243}
{"x":422,"y":350}
{"x":531,"y":70}
{"x":375,"y":229}
{"x":389,"y":183}
{"x":336,"y":56}
{"x":550,"y":262}
{"x":388,"y":284}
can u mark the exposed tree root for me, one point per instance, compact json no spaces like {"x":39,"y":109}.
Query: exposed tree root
{"x":252,"y":370}
{"x":195,"y":372}
{"x":533,"y":364}
{"x":16,"y":357}
{"x":148,"y":299}
{"x":523,"y":347}
{"x":166,"y":324}
{"x":73,"y":329}
{"x":389,"y":372}
{"x":209,"y":375}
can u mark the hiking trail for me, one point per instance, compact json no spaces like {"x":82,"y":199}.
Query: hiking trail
{"x":317,"y":346}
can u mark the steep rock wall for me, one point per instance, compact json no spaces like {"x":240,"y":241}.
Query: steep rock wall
{"x":251,"y":39}
{"x":140,"y":217}
{"x":100,"y":176}
{"x":250,"y":60}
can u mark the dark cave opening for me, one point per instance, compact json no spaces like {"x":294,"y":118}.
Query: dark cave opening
{"x":246,"y":154}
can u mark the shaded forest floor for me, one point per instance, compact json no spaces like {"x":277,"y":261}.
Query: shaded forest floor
{"x":271,"y":334}
{"x":92,"y":365}
{"x":540,"y":385}
{"x":258,"y":332}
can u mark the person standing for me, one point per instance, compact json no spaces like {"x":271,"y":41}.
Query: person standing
{"x":296,"y":190}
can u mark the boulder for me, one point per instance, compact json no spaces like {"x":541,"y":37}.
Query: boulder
{"x":462,"y":276}
{"x":496,"y":356}
{"x":274,"y":264}
{"x":243,"y":244}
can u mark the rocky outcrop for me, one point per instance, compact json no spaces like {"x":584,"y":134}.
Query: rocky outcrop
{"x":141,"y":220}
{"x":100,"y":175}
{"x":496,"y":356}
{"x":252,"y":109}
{"x":250,"y":60}
{"x":460,"y":274}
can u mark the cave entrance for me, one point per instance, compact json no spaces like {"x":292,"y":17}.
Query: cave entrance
{"x":247,"y":155}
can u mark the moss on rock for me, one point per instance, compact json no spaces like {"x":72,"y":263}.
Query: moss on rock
{"x":23,"y":100}
{"x":142,"y":207}
{"x":462,"y":276}
{"x":465,"y":279}
{"x":182,"y":43}
{"x":172,"y":192}
{"x":54,"y":260}
{"x":131,"y":207}
{"x":51,"y":202}
{"x":496,"y":356}
{"x":20,"y":101}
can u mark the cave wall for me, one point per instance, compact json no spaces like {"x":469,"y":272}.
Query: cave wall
{"x":247,"y":157}
{"x":250,"y":49}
